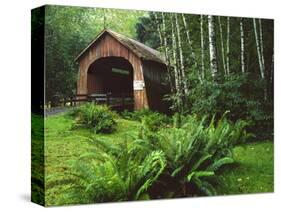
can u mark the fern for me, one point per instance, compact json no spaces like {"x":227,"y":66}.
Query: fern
{"x":195,"y":150}
{"x":218,"y":163}
{"x":96,"y":117}
{"x":173,"y":160}
{"x":109,"y":175}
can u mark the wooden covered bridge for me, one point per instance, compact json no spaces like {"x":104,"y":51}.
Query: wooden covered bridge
{"x":116,"y":65}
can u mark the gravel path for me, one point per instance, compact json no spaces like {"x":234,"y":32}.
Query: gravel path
{"x":56,"y":110}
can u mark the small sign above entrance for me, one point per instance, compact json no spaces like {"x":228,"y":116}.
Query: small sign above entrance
{"x":138,"y":85}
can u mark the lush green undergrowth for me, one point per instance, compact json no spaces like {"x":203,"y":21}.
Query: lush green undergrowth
{"x":96,"y":117}
{"x":37,"y":162}
{"x":186,"y":156}
{"x":253,"y":171}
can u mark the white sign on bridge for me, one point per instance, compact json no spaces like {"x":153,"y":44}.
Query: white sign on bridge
{"x":138,"y":85}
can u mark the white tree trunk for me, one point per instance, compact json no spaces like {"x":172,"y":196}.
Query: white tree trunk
{"x":261,"y":44}
{"x":222,"y":47}
{"x":228,"y":46}
{"x":260,"y":56}
{"x":242,"y":40}
{"x":189,"y":41}
{"x":212,"y":47}
{"x":167,"y":58}
{"x":202,"y":46}
{"x":182,"y":68}
{"x":158,"y":28}
{"x":165,"y":37}
{"x":258,"y":49}
{"x":174,"y":48}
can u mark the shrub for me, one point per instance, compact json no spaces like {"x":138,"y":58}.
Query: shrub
{"x":171,"y":162}
{"x":153,"y":121}
{"x":194,"y":152}
{"x":137,"y":115}
{"x":243,"y":100}
{"x":99,"y":118}
{"x":111,"y":173}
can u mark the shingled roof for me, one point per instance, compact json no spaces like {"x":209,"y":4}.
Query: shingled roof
{"x":141,"y":50}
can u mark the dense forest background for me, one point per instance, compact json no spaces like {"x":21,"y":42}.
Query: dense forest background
{"x":216,"y":64}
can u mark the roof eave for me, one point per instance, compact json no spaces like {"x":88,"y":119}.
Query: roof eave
{"x":91,"y":43}
{"x":159,"y":60}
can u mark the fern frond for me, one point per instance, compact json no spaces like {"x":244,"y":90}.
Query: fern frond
{"x":217,"y":164}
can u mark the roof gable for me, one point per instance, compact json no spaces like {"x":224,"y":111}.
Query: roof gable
{"x":141,"y":50}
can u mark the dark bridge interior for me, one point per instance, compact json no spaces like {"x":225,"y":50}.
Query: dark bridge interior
{"x":110,"y":75}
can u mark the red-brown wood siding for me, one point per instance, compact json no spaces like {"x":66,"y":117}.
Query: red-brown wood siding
{"x":108,"y":46}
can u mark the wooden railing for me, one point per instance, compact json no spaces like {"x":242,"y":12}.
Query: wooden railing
{"x":120,"y":101}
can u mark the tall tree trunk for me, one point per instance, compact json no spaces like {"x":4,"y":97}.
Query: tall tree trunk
{"x":158,"y":29}
{"x":163,"y":44}
{"x":228,"y":46}
{"x":189,"y":41}
{"x":261,"y":43}
{"x":165,"y":37}
{"x":182,"y":68}
{"x":258,"y":49}
{"x":222,"y":47}
{"x":260,"y":56}
{"x":202,"y":46}
{"x":175,"y":65}
{"x":167,"y":58}
{"x":262,"y":60}
{"x":242,"y":40}
{"x":212,"y":47}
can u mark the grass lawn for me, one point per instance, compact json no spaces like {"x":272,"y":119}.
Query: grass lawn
{"x":64,"y":144}
{"x":252,"y":173}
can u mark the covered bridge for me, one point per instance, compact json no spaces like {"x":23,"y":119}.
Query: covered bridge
{"x":113,"y":63}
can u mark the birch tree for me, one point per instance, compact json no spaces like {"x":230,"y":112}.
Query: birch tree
{"x":242,"y":46}
{"x":165,"y":38}
{"x":212,"y":47}
{"x":222,"y":46}
{"x":161,"y":29}
{"x":261,"y":43}
{"x":176,"y":71}
{"x":167,"y":58}
{"x":182,"y":67}
{"x":202,"y":46}
{"x":258,"y":49}
{"x":189,"y":41}
{"x":158,"y":29}
{"x":228,"y":45}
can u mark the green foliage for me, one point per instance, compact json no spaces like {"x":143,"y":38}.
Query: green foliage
{"x":153,"y":121}
{"x":246,"y":95}
{"x":195,"y":150}
{"x":146,"y":31}
{"x":111,"y":173}
{"x":99,"y":118}
{"x":253,"y":171}
{"x":68,"y":30}
{"x":240,"y":98}
{"x":137,"y":115}
{"x":37,"y":159}
{"x":83,"y":167}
